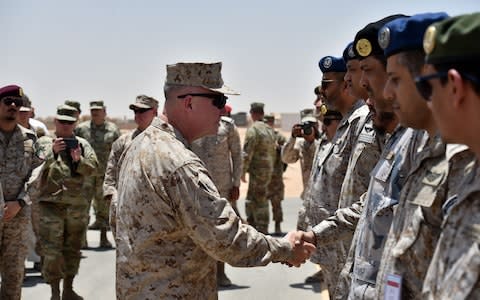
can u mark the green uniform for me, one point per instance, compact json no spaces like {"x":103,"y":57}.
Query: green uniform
{"x":101,"y":139}
{"x":63,"y":206}
{"x":276,"y":187}
{"x":258,"y":159}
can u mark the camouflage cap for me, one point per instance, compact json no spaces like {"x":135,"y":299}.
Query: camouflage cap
{"x":11,"y":91}
{"x":143,"y":101}
{"x":269,"y":118}
{"x":75,"y":104}
{"x":306,"y":112}
{"x":27,"y":104}
{"x":97,"y":104}
{"x":256,"y":107}
{"x":66,"y":113}
{"x":206,"y":75}
{"x":453,"y":40}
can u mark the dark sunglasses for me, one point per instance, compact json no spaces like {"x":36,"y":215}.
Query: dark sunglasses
{"x":65,"y":122}
{"x":9,"y":100}
{"x":327,"y":82}
{"x":329,"y":121}
{"x":218,"y":100}
{"x":141,"y":110}
{"x":425,"y":88}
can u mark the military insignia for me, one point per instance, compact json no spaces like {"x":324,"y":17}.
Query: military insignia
{"x":350,"y":52}
{"x":384,"y":37}
{"x":364,"y":47}
{"x":327,"y":62}
{"x":20,"y":92}
{"x":390,"y":155}
{"x":323,"y":109}
{"x":429,"y":39}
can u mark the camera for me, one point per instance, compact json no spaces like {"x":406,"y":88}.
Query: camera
{"x":307,"y":128}
{"x":71,"y":143}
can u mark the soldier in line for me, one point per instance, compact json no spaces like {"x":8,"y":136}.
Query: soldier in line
{"x":276,"y":187}
{"x":332,"y":162}
{"x":145,"y":109}
{"x":222,"y":156}
{"x":69,"y":160}
{"x":172,"y":224}
{"x":17,"y":160}
{"x":101,"y":134}
{"x":434,"y":177}
{"x":451,"y":84}
{"x":258,"y":159}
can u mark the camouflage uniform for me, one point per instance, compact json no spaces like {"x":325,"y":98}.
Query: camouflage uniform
{"x":433,"y":178}
{"x":63,"y":207}
{"x":172,"y":225}
{"x":454,"y":272}
{"x":111,"y":172}
{"x":101,"y":139}
{"x":276,"y":187}
{"x":258,"y":159}
{"x":17,"y":160}
{"x":222,"y":155}
{"x":321,"y":199}
{"x":382,"y":197}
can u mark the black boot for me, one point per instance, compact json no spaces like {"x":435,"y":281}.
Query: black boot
{"x":104,"y":243}
{"x":68,"y":292}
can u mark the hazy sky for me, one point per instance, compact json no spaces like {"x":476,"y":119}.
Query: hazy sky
{"x":114,"y":50}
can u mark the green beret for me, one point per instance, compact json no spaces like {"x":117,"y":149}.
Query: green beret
{"x":454,"y":40}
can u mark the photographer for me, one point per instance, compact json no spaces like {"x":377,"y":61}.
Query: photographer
{"x":68,"y":161}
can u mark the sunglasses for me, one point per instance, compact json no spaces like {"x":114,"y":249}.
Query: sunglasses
{"x":327,"y":82}
{"x":64,"y":122}
{"x":141,"y":110}
{"x":425,"y":88}
{"x":329,"y":121}
{"x":218,"y":100}
{"x":9,"y":100}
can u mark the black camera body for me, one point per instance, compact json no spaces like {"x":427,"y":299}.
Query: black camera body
{"x":71,"y":143}
{"x":307,"y":128}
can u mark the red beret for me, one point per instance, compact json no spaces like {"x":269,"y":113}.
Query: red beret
{"x":11,"y":91}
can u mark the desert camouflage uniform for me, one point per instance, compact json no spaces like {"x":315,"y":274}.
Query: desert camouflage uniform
{"x":172,"y":225}
{"x":111,"y":172}
{"x":17,"y":160}
{"x":101,"y":139}
{"x":258,"y":159}
{"x":434,"y":177}
{"x":325,"y":185}
{"x":276,"y":187}
{"x":63,"y":207}
{"x":222,"y":155}
{"x":454,"y":272}
{"x":387,"y":180}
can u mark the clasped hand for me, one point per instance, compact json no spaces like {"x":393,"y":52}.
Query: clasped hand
{"x":302,"y":247}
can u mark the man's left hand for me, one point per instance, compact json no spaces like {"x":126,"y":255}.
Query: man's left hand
{"x":11,"y":210}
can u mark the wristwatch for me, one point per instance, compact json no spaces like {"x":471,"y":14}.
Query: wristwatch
{"x":21,"y":202}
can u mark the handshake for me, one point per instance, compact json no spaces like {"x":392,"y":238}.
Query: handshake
{"x":303,"y":245}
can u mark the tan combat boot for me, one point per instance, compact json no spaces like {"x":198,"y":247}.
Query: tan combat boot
{"x":68,"y":292}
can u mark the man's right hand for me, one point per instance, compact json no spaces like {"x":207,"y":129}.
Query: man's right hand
{"x":301,"y":250}
{"x":58,"y":145}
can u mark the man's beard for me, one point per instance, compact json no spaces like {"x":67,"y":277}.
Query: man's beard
{"x":384,"y":118}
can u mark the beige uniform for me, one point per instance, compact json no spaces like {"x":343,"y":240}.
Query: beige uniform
{"x":172,"y":224}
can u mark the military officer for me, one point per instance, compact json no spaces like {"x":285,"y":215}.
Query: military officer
{"x":451,"y":84}
{"x":101,"y":134}
{"x":172,"y":224}
{"x":17,"y":160}
{"x":258,"y":159}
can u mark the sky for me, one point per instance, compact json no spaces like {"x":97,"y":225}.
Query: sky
{"x":115,"y":50}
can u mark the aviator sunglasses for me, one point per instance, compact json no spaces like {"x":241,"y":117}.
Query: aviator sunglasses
{"x":218,"y":100}
{"x":425,"y":88}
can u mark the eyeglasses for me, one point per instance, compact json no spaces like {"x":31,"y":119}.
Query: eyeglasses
{"x":65,"y":122}
{"x":329,"y":121}
{"x":425,"y":88}
{"x":219,"y":100}
{"x":327,"y":82}
{"x":141,"y":110}
{"x":9,"y":100}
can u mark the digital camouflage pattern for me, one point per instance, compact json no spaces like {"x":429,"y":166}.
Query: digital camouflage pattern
{"x":276,"y":187}
{"x":454,"y":272}
{"x":17,"y":160}
{"x":328,"y":175}
{"x":434,"y":177}
{"x":101,"y":139}
{"x":63,"y":206}
{"x":258,"y":158}
{"x":172,"y":224}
